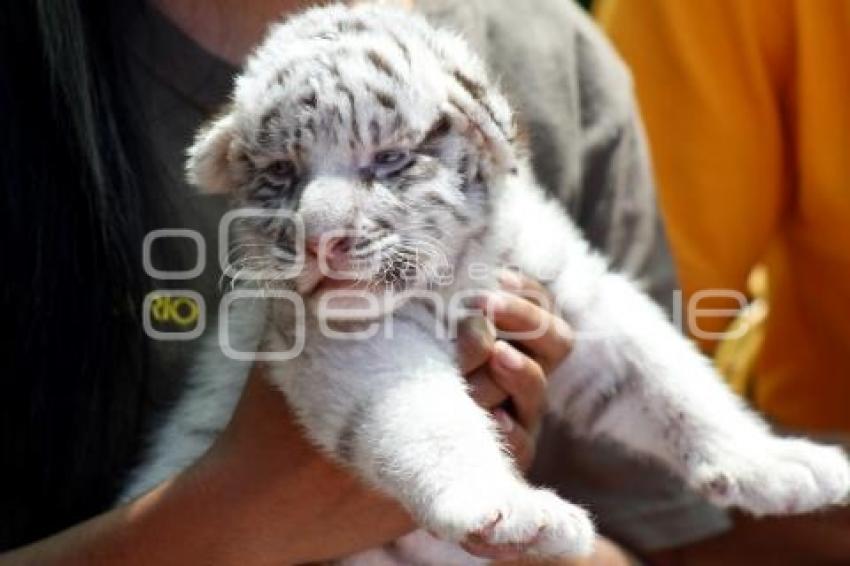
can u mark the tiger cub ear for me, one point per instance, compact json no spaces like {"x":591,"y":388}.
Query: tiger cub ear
{"x":209,"y":164}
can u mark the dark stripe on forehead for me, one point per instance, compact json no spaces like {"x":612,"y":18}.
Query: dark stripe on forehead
{"x":386,"y":100}
{"x":478,"y":92}
{"x":441,"y":127}
{"x":352,"y":26}
{"x":381,"y":63}
{"x":355,"y":125}
{"x":401,"y":46}
{"x":332,"y":68}
{"x":397,"y":123}
{"x":375,"y":130}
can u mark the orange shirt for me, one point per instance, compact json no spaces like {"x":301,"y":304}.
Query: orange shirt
{"x":747,"y":105}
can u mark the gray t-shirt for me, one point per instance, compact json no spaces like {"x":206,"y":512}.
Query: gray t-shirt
{"x":575,"y":98}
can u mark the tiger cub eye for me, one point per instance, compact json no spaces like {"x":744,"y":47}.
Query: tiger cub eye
{"x":282,"y":171}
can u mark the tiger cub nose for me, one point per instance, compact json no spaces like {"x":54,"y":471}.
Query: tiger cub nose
{"x":333,"y":250}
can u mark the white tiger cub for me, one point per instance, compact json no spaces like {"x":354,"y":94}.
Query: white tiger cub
{"x":386,"y":138}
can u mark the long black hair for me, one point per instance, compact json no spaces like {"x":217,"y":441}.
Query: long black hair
{"x":77,"y":199}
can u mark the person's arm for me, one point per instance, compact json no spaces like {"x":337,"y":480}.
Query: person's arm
{"x":264,"y":495}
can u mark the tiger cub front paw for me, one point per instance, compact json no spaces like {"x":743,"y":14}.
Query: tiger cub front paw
{"x":514,"y":518}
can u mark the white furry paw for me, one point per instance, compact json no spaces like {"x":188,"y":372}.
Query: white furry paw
{"x":775,"y":476}
{"x":516,"y":518}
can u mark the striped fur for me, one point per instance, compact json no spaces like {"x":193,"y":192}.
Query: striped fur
{"x":326,"y":92}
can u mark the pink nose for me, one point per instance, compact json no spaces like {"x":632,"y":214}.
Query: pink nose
{"x":328,"y":248}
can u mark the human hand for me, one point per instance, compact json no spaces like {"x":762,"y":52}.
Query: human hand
{"x":509,"y":379}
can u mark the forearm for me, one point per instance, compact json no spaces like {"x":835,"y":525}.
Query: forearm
{"x":189,"y":520}
{"x":241,"y":504}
